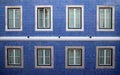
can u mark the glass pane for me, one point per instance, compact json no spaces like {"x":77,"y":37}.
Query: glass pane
{"x":71,"y":17}
{"x":40,"y":52}
{"x":17,"y":60}
{"x":101,"y":18}
{"x":47,"y":17}
{"x":71,"y":61}
{"x":47,"y":52}
{"x":108,"y":18}
{"x":17,"y":18}
{"x":10,"y":18}
{"x":47,"y":60}
{"x":17,"y":13}
{"x":101,"y":60}
{"x":101,"y":52}
{"x":108,"y":52}
{"x":78,"y":53}
{"x":17,"y":23}
{"x":17,"y":52}
{"x":10,"y":52}
{"x":40,"y":60}
{"x":71,"y":53}
{"x":108,"y":60}
{"x":10,"y":23}
{"x":78,"y":17}
{"x":78,"y":61}
{"x":10,"y":13}
{"x":10,"y":60}
{"x":40,"y":17}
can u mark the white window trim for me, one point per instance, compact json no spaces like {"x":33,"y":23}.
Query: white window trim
{"x":113,"y":58}
{"x":43,"y":6}
{"x":52,"y":57}
{"x":66,"y":56}
{"x":82,"y":7}
{"x":22,"y":60}
{"x":6,"y":26}
{"x":113,"y":18}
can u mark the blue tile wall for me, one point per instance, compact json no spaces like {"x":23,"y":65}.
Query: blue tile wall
{"x":59,"y":29}
{"x":59,"y":59}
{"x":59,"y":17}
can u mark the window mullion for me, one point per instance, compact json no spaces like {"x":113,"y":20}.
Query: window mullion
{"x":13,"y":18}
{"x":44,"y":18}
{"x":74,"y":56}
{"x":43,"y":56}
{"x":14,"y":56}
{"x":105,"y":16}
{"x":74,"y":17}
{"x":105,"y":57}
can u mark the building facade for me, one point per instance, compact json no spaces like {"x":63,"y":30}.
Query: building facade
{"x":59,"y":37}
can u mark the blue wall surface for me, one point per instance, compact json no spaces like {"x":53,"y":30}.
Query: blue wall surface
{"x":59,"y":29}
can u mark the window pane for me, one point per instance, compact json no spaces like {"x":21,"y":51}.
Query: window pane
{"x":108,"y":18}
{"x":40,"y":52}
{"x":78,"y":61}
{"x":17,"y":23}
{"x":40,"y":60}
{"x":101,"y":52}
{"x":47,"y":52}
{"x":71,"y":61}
{"x":108,"y":56}
{"x":108,"y":60}
{"x":101,"y":18}
{"x":10,"y":60}
{"x":47,"y":18}
{"x":17,"y":60}
{"x":108,"y":52}
{"x":10,"y":18}
{"x":71,"y":17}
{"x":17,"y":52}
{"x":101,"y":56}
{"x":10,"y":13}
{"x":78,"y":53}
{"x":71,"y":56}
{"x":10,"y":56}
{"x":10,"y":25}
{"x":78,"y":56}
{"x":47,"y":60}
{"x":78,"y":20}
{"x":10,"y":52}
{"x":71,"y":53}
{"x":17,"y":18}
{"x":40,"y":56}
{"x":101,"y":60}
{"x":40,"y":17}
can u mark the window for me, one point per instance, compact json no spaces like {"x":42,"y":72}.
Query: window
{"x":105,"y":57}
{"x":13,"y":18}
{"x":14,"y":56}
{"x":44,"y":57}
{"x":43,"y":20}
{"x":74,"y":57}
{"x":74,"y":18}
{"x":105,"y":18}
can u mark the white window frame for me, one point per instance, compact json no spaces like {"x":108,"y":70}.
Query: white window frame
{"x":22,"y":60}
{"x":74,"y":6}
{"x":44,"y":6}
{"x":52,"y":57}
{"x":113,"y":58}
{"x":6,"y":18}
{"x":113,"y":18}
{"x":66,"y":57}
